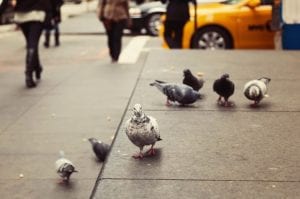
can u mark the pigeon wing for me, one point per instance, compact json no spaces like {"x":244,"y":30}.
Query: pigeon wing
{"x":178,"y":92}
{"x":154,"y":128}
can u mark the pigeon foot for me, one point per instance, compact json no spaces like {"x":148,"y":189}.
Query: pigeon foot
{"x":219,"y":101}
{"x":227,"y":104}
{"x":168,"y":103}
{"x":151,"y":151}
{"x":138,"y":156}
{"x":254,"y":105}
{"x":62,"y":181}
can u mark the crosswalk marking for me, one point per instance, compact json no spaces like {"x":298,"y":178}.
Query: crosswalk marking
{"x":132,"y":51}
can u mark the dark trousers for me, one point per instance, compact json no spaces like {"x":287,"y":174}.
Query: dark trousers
{"x":32,"y":32}
{"x":173,"y":33}
{"x":114,"y":31}
{"x":55,"y":28}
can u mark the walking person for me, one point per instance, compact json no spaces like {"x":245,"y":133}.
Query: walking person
{"x":53,"y":23}
{"x":30,"y":16}
{"x":114,"y":14}
{"x":177,"y":16}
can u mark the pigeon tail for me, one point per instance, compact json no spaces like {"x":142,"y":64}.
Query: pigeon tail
{"x":61,"y":154}
{"x":266,"y":80}
{"x":159,"y":139}
{"x":156,"y":82}
{"x":159,"y":81}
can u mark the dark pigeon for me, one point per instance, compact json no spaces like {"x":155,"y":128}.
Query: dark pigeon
{"x":224,"y":88}
{"x":192,"y":81}
{"x":100,"y":149}
{"x":180,"y":93}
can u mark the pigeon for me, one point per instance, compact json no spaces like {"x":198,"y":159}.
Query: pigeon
{"x":142,"y":130}
{"x":64,"y":167}
{"x":192,"y":81}
{"x":224,"y":88}
{"x":256,"y":90}
{"x":181,"y":93}
{"x":100,"y":149}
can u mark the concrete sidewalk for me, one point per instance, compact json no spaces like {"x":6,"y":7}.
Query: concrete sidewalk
{"x":81,"y":95}
{"x":208,"y":151}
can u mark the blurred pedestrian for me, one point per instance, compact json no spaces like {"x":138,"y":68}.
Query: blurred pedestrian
{"x":30,"y":16}
{"x":53,"y":23}
{"x":114,"y":14}
{"x":177,"y":16}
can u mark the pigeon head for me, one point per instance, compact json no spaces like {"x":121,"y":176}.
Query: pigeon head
{"x":254,"y":91}
{"x":138,"y":114}
{"x":187,"y":72}
{"x":137,"y":110}
{"x":93,"y":140}
{"x":70,"y":169}
{"x":225,"y":76}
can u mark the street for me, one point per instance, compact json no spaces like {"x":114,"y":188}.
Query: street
{"x":207,"y":151}
{"x":73,"y":102}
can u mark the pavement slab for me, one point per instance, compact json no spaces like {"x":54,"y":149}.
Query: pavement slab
{"x":81,"y":95}
{"x":213,"y":146}
{"x":170,"y":189}
{"x":45,"y":188}
{"x":209,"y":151}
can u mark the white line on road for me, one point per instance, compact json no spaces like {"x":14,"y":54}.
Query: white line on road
{"x":132,"y":51}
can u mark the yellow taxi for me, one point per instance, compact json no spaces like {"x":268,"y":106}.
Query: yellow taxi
{"x":239,"y":24}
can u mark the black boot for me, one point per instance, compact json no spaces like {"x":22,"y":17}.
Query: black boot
{"x":56,"y":39}
{"x":47,"y":39}
{"x":38,"y":67}
{"x":29,"y":69}
{"x":29,"y":80}
{"x":38,"y":72}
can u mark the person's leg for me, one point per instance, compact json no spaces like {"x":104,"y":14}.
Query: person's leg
{"x":25,"y":27}
{"x":178,"y":33}
{"x":47,"y":37}
{"x":56,"y":34}
{"x":117,"y":37}
{"x":170,"y":27}
{"x":25,"y":30}
{"x":33,"y":62}
{"x":109,"y":33}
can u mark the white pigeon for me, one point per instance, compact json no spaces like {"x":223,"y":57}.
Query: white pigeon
{"x":256,"y":90}
{"x":64,"y":167}
{"x":142,"y":130}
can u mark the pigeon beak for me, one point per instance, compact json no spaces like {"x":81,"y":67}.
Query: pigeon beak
{"x":138,"y":114}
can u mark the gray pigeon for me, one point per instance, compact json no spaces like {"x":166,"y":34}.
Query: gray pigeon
{"x":189,"y":79}
{"x":224,"y":88}
{"x":100,"y":149}
{"x":181,"y":93}
{"x":64,"y":167}
{"x":256,"y":90}
{"x":142,"y":130}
